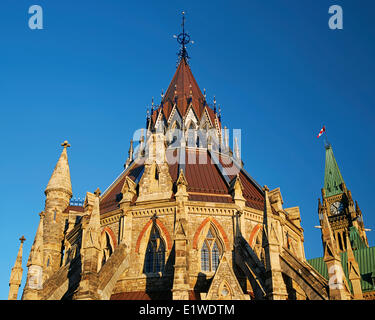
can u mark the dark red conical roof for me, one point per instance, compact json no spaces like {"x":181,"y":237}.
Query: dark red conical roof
{"x":183,"y":91}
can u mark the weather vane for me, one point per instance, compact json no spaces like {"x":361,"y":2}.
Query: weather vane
{"x":183,"y":39}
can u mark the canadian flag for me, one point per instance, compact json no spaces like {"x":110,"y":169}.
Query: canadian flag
{"x":321,"y":131}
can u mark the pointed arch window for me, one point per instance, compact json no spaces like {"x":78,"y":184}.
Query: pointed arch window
{"x":211,"y":251}
{"x":155,"y":253}
{"x":225,"y":292}
{"x":205,"y":260}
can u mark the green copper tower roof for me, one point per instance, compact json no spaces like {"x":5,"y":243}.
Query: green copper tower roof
{"x":332,"y":178}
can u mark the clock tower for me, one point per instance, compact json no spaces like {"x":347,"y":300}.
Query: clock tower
{"x":344,"y":215}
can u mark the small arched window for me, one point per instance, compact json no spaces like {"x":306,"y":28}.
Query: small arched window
{"x":155,"y":253}
{"x":211,"y":251}
{"x":225,"y":292}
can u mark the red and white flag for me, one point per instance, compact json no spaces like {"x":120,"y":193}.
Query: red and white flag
{"x":321,"y":131}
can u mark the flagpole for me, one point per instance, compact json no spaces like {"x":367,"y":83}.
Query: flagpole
{"x":325,"y":139}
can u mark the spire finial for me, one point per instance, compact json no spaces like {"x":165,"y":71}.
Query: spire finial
{"x":183,"y":39}
{"x":65,"y":144}
{"x":22,"y":239}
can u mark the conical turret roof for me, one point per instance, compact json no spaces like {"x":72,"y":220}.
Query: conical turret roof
{"x":60,"y":178}
{"x":183,"y":91}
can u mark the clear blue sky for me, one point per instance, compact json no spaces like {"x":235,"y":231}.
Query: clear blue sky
{"x":275,"y":67}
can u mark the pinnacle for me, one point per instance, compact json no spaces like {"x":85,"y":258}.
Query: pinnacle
{"x":97,"y":192}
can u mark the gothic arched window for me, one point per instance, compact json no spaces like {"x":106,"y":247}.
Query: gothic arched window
{"x":211,"y":252}
{"x":155,"y":253}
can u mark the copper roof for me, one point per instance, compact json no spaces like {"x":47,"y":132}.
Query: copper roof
{"x":183,"y":91}
{"x":110,"y":200}
{"x":202,"y":174}
{"x":206,"y":181}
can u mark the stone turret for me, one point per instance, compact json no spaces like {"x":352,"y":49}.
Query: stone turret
{"x":16,"y":274}
{"x":58,"y":194}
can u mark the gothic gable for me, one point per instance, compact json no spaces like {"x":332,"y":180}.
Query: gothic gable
{"x":224,"y":285}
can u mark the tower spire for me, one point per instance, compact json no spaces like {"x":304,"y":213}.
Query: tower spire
{"x":333,"y":181}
